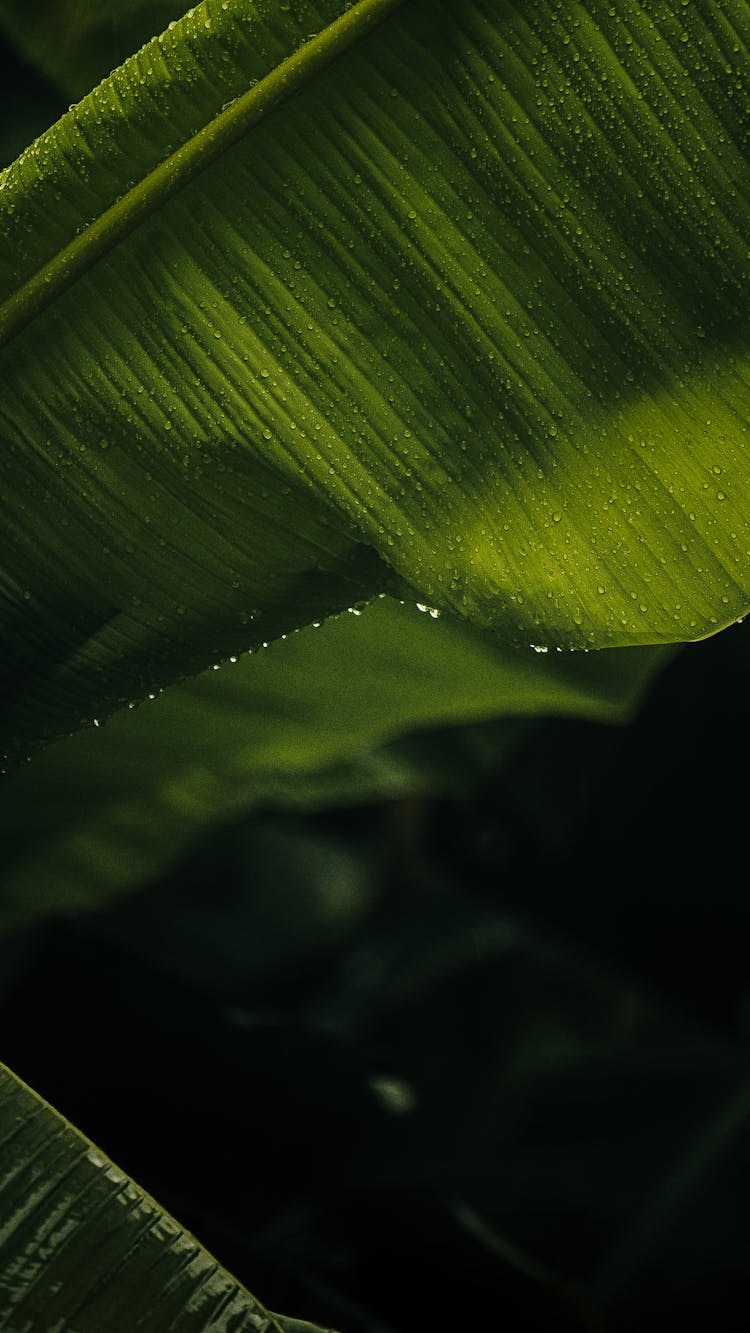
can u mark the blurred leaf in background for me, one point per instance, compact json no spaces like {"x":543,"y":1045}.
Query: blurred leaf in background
{"x":76,"y":43}
{"x":426,"y":1005}
{"x":312,"y":719}
{"x":28,"y":104}
{"x":502,"y":1023}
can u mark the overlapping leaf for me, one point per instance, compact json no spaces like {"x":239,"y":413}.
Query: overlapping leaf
{"x":103,"y":811}
{"x":456,"y":301}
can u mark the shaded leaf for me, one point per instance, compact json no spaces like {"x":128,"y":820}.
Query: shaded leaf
{"x":75,"y":43}
{"x":463,"y":310}
{"x":105,"y":810}
{"x":82,"y":1246}
{"x":27,"y":105}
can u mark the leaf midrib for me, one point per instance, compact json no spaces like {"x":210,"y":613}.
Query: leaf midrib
{"x":203,"y":147}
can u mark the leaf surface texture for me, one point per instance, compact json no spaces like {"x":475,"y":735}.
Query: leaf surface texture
{"x":83,"y":1247}
{"x":463,"y":310}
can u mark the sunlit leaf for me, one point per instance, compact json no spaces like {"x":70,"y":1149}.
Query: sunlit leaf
{"x":453,"y":297}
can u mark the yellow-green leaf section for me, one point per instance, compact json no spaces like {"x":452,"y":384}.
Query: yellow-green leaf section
{"x":82,"y":1247}
{"x":465,"y":311}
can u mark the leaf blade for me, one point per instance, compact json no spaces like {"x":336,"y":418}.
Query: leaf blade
{"x":218,"y":132}
{"x":404,"y":384}
{"x":102,"y":812}
{"x":81,"y":1242}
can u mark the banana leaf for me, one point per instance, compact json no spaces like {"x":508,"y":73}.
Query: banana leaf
{"x":308,"y":303}
{"x":85,"y":1248}
{"x":308,"y":720}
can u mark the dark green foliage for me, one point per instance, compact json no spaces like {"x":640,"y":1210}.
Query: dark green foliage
{"x":436,"y":1027}
{"x":388,"y":961}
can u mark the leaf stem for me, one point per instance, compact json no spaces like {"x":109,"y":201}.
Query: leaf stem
{"x":185,"y":163}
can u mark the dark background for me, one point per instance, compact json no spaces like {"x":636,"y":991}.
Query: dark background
{"x":473,"y":1058}
{"x":466,"y":1060}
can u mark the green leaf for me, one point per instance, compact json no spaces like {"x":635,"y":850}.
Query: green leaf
{"x":83,"y":1247}
{"x":443,"y":297}
{"x":103,"y":811}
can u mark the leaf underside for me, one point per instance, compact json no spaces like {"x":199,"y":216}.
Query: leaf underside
{"x":465,"y":314}
{"x":103,"y":811}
